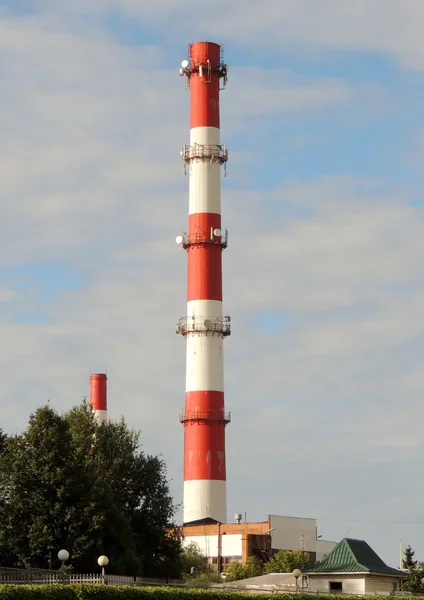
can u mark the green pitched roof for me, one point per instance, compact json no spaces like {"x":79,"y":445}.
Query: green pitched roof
{"x":354,"y":556}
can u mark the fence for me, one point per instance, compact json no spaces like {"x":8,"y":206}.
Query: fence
{"x":44,"y":576}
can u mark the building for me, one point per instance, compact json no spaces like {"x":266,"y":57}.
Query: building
{"x":353,"y":567}
{"x":224,"y":543}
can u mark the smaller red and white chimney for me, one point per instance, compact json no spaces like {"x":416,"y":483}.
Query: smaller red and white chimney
{"x":98,"y":396}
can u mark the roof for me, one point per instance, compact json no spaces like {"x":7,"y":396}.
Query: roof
{"x":354,"y":556}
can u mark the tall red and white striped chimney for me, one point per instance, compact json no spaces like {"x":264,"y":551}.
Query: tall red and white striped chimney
{"x":204,"y":326}
{"x":98,"y":396}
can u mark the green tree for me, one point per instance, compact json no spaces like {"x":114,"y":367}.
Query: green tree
{"x":285,"y":561}
{"x":196,"y":570}
{"x":193,"y":561}
{"x":253,"y":567}
{"x":203,"y":580}
{"x":3,"y":438}
{"x":47,"y":492}
{"x":135,"y":498}
{"x":415,"y":572}
{"x":408,"y":561}
{"x":234,"y":572}
{"x":67,"y":482}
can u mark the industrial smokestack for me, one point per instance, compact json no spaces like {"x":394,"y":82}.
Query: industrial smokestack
{"x":204,"y":325}
{"x":98,"y":396}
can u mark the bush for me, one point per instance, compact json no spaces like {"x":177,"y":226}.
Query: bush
{"x":203,"y":580}
{"x":109,"y":592}
{"x":253,"y":567}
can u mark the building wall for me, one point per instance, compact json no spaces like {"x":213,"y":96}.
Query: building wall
{"x":288,"y":531}
{"x":231,"y":545}
{"x":260,"y":538}
{"x":351,"y":584}
{"x":244,"y":540}
{"x":254,"y":527}
{"x":380,"y":585}
{"x":323,"y":547}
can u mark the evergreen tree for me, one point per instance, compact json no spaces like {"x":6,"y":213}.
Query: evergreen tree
{"x":408,"y":561}
{"x":415,"y":572}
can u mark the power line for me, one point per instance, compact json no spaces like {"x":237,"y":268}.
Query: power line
{"x":347,"y":520}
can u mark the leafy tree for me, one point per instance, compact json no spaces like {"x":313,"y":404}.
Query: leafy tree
{"x":235,"y":572}
{"x":135,"y":499}
{"x":67,"y":482}
{"x":285,"y":561}
{"x":3,"y":438}
{"x":203,"y":580}
{"x":196,"y":570}
{"x":413,"y":582}
{"x":253,"y":567}
{"x":47,"y":492}
{"x":193,"y":561}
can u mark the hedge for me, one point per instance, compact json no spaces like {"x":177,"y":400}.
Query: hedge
{"x":110,"y":592}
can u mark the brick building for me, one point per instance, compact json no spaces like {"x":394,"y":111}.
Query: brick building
{"x":224,"y":543}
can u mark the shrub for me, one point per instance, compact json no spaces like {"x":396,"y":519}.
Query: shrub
{"x":109,"y":592}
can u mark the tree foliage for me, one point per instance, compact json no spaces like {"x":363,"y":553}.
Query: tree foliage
{"x":253,"y":567}
{"x":408,"y":561}
{"x":285,"y":561}
{"x":196,"y":570}
{"x":3,"y":438}
{"x":415,"y":572}
{"x":67,"y":482}
{"x":193,"y":562}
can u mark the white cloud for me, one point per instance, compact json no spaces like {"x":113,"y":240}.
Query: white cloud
{"x":385,"y":27}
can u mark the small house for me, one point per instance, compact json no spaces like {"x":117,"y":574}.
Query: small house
{"x":353,"y":567}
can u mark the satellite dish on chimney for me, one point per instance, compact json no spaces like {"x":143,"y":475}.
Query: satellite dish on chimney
{"x":217,"y":232}
{"x":207,"y":323}
{"x":179,"y":239}
{"x":184,"y":63}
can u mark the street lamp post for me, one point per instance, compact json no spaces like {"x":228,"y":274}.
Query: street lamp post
{"x":63,"y":556}
{"x":296,"y":574}
{"x":103,"y":562}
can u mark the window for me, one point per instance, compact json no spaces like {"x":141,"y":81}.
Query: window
{"x":336,"y":586}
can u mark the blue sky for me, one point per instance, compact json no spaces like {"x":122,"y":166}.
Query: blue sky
{"x":323,"y":274}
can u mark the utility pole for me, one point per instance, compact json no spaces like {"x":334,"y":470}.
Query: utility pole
{"x":302,"y":547}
